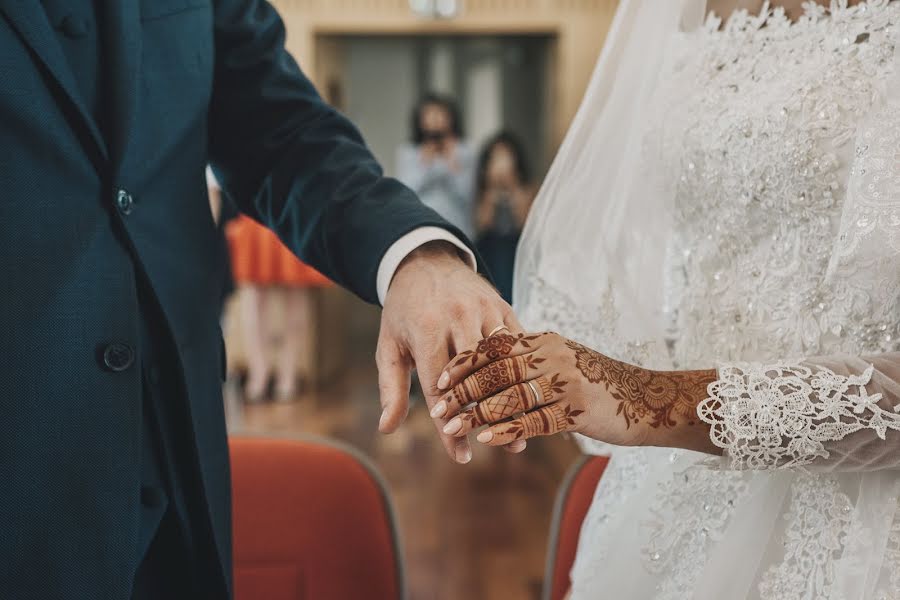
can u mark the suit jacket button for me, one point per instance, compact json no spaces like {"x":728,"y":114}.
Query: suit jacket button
{"x":74,"y":26}
{"x":152,"y":497}
{"x":124,"y":202}
{"x":118,"y":356}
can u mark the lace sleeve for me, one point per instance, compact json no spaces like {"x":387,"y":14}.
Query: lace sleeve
{"x":837,"y":413}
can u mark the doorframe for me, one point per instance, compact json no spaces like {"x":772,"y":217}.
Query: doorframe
{"x":329,"y":65}
{"x":577,"y":29}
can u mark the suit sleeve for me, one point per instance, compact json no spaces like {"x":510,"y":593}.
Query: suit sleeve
{"x":295,"y":164}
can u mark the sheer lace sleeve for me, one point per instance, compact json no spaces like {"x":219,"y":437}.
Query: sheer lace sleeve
{"x":839,"y":412}
{"x":833,"y":413}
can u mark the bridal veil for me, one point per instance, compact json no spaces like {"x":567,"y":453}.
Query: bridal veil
{"x":592,"y":264}
{"x":602,"y":223}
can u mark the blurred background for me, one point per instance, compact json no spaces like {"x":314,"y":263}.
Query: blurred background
{"x":466,"y":101}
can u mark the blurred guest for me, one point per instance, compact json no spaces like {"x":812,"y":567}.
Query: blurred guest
{"x":439,"y":165}
{"x":504,"y":195}
{"x":267,"y":272}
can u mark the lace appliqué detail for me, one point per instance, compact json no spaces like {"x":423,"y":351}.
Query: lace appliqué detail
{"x":892,"y":558}
{"x":759,"y":137}
{"x":866,"y":255}
{"x":873,"y":195}
{"x":594,"y":325}
{"x":782,"y":416}
{"x":761,"y":148}
{"x":819,"y":521}
{"x":776,"y":19}
{"x":554,"y":310}
{"x":626,"y":471}
{"x":888,"y":587}
{"x":690,"y":512}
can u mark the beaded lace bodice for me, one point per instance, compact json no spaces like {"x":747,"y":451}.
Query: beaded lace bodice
{"x":786,"y":151}
{"x":762,"y":130}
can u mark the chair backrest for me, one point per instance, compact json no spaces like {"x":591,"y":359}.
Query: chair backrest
{"x":572,"y":503}
{"x":312,"y":521}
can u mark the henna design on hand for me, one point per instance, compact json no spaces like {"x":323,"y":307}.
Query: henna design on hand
{"x":494,"y":377}
{"x":546,"y":421}
{"x":501,"y":406}
{"x":496,"y":346}
{"x":517,"y":399}
{"x":550,"y":388}
{"x":661,"y":398}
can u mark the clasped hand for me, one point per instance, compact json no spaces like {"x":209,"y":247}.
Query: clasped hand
{"x":517,"y":385}
{"x":527,"y":385}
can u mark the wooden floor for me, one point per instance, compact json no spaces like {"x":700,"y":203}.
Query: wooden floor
{"x":473,"y":532}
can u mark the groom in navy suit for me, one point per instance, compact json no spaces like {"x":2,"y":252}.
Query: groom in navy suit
{"x":113,"y":456}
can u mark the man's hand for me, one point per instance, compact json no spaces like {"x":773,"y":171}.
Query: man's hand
{"x":435,"y":307}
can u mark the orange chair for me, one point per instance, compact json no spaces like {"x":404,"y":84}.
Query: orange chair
{"x":312,"y":521}
{"x":572,"y":503}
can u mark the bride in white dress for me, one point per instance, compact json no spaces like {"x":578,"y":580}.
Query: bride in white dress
{"x":728,"y":201}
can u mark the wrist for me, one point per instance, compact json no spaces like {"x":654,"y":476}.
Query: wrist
{"x":684,"y":434}
{"x":429,"y":258}
{"x":682,"y":428}
{"x":433,"y":252}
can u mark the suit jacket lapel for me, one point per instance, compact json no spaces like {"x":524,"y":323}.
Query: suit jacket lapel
{"x":30,"y":20}
{"x":123,"y":46}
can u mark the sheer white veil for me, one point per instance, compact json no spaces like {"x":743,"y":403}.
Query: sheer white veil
{"x":591,"y":265}
{"x":602,"y":223}
{"x":602,"y":220}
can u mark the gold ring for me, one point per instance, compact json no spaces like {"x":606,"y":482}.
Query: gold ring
{"x":534,"y":390}
{"x":497,"y":330}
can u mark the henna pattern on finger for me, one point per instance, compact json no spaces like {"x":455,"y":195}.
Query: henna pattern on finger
{"x":494,"y":377}
{"x":517,"y":399}
{"x":471,"y":419}
{"x":546,"y":421}
{"x":659,"y":397}
{"x":551,"y":388}
{"x":496,"y":346}
{"x":502,"y":406}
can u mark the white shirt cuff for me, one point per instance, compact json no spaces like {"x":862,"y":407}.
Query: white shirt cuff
{"x":406,"y":244}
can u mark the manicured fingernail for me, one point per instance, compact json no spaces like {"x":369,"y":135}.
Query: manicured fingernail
{"x":438,"y":409}
{"x":444,"y":381}
{"x":485,"y":436}
{"x":463,"y":455}
{"x":383,"y":419}
{"x":453,"y":426}
{"x":517,"y":446}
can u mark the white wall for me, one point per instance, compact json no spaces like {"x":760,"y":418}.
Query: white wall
{"x":500,"y":83}
{"x":380,"y":82}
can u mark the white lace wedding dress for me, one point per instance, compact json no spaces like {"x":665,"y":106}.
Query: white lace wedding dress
{"x":784,"y":140}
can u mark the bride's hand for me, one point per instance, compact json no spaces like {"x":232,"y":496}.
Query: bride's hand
{"x":548,"y":383}
{"x":539,"y":384}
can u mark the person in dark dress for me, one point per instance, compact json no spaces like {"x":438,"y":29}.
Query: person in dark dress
{"x":503,"y":197}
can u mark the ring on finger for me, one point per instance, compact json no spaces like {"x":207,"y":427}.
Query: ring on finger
{"x":534,"y":390}
{"x":497,"y":330}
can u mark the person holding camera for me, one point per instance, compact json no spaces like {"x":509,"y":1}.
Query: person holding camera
{"x":439,"y":165}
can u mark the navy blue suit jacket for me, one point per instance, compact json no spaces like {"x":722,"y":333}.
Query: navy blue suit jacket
{"x":83,"y":213}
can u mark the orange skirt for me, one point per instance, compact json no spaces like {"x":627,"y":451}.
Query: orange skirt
{"x":258,"y":257}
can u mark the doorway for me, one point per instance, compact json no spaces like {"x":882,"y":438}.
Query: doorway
{"x":501,"y":82}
